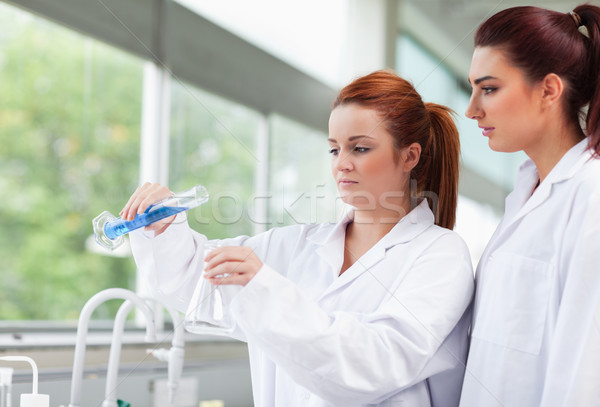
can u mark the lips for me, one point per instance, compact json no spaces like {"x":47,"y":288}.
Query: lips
{"x":346,"y":182}
{"x":486,"y":130}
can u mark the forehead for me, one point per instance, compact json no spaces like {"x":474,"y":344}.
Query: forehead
{"x":490,"y":61}
{"x":354,"y":119}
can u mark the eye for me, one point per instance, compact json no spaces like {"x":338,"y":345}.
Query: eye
{"x":333,"y":151}
{"x":361,"y":149}
{"x":488,"y":89}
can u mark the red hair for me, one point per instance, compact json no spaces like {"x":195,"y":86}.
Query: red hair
{"x":540,"y":42}
{"x":408,"y":120}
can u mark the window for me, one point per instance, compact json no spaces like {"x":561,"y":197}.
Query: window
{"x":69,"y":130}
{"x":300,"y":180}
{"x":213,"y":143}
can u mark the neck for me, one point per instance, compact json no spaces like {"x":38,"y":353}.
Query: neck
{"x":369,"y":227}
{"x":379,"y":221}
{"x":554,"y":146}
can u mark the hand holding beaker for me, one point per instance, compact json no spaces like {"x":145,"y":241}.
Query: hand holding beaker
{"x":142,"y":198}
{"x":232,"y":265}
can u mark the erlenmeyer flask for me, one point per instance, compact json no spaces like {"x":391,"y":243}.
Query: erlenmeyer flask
{"x":207,"y":311}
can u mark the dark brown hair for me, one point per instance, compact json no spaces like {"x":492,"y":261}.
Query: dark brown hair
{"x":540,"y":41}
{"x":408,"y":120}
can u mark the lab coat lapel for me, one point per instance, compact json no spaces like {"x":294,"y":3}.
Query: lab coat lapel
{"x":360,"y":266}
{"x":519,"y":203}
{"x":413,"y":224}
{"x":331,"y":243}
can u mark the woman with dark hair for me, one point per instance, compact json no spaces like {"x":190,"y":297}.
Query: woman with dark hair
{"x":373,"y":310}
{"x":535,"y":338}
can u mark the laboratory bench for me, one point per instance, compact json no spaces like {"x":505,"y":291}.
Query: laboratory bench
{"x":215,"y":368}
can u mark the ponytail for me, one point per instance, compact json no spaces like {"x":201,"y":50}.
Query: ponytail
{"x":590,"y":19}
{"x":437,"y":171}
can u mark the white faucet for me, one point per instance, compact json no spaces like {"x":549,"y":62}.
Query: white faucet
{"x":173,"y":356}
{"x":82,"y":330}
{"x":31,"y":399}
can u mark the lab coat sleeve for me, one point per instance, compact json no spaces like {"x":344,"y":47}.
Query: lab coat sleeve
{"x":350,"y":358}
{"x":171,"y":263}
{"x":573,"y":372}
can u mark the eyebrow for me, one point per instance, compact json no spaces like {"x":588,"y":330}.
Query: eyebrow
{"x":352,"y":138}
{"x":483,"y":78}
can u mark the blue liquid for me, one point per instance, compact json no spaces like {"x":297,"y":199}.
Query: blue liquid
{"x":119,"y":227}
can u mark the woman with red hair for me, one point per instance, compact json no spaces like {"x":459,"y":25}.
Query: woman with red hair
{"x":372,"y":310}
{"x":535,"y":338}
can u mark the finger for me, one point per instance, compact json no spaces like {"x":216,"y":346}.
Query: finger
{"x":147,"y":196}
{"x":128,"y":206}
{"x":160,"y":225}
{"x":227,"y":267}
{"x":231,"y":279}
{"x":220,"y":264}
{"x":211,"y":256}
{"x":137,"y":198}
{"x":230,"y":253}
{"x":154,"y":194}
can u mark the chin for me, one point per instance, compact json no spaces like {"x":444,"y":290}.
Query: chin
{"x":502,"y":148}
{"x":359,"y":201}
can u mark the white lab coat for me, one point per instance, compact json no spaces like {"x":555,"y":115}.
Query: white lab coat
{"x":391,"y":330}
{"x":536,"y":329}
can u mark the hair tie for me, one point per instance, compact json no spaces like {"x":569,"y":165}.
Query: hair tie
{"x":576,"y":18}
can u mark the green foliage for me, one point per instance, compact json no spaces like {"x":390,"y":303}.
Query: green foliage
{"x":212,"y":143}
{"x":70,"y":111}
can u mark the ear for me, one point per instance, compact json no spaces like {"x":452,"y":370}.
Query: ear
{"x":552,"y":89}
{"x":410,"y":157}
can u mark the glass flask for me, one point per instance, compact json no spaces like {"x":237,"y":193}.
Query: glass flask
{"x":207,"y":311}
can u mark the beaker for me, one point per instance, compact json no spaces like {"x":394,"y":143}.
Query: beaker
{"x":109,"y":230}
{"x":207,"y":311}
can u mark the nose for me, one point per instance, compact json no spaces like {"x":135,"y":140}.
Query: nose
{"x":474,"y":110}
{"x":343,"y":162}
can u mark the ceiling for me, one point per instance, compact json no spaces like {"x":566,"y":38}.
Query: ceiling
{"x":456,"y":20}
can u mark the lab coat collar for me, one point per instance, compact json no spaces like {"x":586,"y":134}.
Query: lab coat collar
{"x":332,"y":242}
{"x":417,"y":220}
{"x":520,"y":202}
{"x":570,"y":163}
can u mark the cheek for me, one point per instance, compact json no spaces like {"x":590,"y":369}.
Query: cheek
{"x":375,"y":167}
{"x":510,"y":108}
{"x":383,"y":170}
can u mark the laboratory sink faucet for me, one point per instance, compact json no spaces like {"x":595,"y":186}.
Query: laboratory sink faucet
{"x":82,"y":330}
{"x":173,"y":356}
